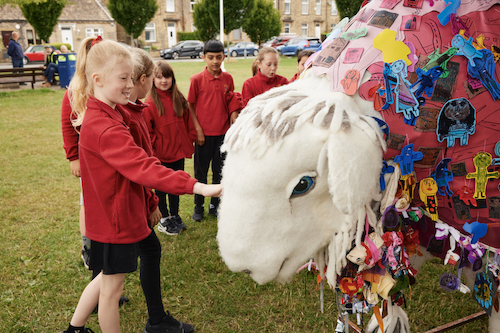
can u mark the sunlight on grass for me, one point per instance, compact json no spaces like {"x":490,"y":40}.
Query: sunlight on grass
{"x":42,"y":276}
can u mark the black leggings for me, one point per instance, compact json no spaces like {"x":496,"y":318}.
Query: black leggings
{"x":173,"y":200}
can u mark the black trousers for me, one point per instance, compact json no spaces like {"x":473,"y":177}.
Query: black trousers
{"x":173,"y":200}
{"x":203,"y":155}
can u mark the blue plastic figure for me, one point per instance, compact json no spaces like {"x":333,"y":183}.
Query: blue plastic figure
{"x":496,"y":161}
{"x":456,"y":120}
{"x":444,"y":16}
{"x":477,"y":230}
{"x":406,"y":159}
{"x":396,"y":83}
{"x":466,"y":48}
{"x":484,"y":71}
{"x":385,"y":169}
{"x":426,"y":81}
{"x":443,"y":176}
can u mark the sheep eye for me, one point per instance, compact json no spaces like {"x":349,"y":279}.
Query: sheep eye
{"x":304,"y":185}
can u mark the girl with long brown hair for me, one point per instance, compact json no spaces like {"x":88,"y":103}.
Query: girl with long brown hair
{"x":172,"y":135}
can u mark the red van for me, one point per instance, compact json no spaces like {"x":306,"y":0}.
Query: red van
{"x":279,"y":40}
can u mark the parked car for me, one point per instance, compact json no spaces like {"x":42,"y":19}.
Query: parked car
{"x":185,"y":48}
{"x":279,"y":40}
{"x":239,"y":49}
{"x":295,"y":45}
{"x":35,"y":53}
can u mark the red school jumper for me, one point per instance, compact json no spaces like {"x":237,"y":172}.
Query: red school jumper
{"x":259,"y":83}
{"x":115,"y":171}
{"x":172,"y":137}
{"x":69,"y":133}
{"x":139,"y":132}
{"x":209,"y":96}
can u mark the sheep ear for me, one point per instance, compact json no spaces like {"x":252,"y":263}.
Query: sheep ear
{"x":354,"y":163}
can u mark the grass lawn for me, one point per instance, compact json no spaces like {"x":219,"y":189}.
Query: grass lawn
{"x":42,"y":276}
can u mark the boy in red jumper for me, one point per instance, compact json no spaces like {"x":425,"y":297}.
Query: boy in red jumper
{"x":208,"y":98}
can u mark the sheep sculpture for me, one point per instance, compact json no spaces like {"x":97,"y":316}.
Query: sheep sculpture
{"x":316,"y":170}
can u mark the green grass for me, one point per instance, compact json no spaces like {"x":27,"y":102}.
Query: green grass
{"x":42,"y":277}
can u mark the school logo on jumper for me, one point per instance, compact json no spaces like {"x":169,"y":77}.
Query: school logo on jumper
{"x":226,"y":88}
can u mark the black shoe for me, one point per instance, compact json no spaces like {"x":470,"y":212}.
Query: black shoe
{"x":169,"y":226}
{"x":122,"y":301}
{"x":178,"y":221}
{"x":198,"y":213}
{"x":85,"y":330}
{"x":212,"y":210}
{"x":169,"y":325}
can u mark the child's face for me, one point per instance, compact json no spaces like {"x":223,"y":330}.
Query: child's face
{"x":214,"y":61}
{"x":143,"y":86}
{"x":116,"y":86}
{"x":300,"y":64}
{"x":269,"y":65}
{"x":162,"y":83}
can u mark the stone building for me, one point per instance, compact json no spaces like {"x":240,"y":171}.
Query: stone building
{"x":78,"y":20}
{"x":308,"y":18}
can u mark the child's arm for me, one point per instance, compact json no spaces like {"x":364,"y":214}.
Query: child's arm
{"x":200,"y":140}
{"x":70,"y":136}
{"x":211,"y":190}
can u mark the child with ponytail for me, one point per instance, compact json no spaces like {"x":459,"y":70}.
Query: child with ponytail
{"x":172,"y":135}
{"x":264,"y":77}
{"x":116,"y":174}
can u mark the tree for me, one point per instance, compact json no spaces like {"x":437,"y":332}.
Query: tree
{"x":206,"y":16}
{"x":133,"y":15}
{"x":348,"y":8}
{"x":206,"y":28}
{"x":263,"y":22}
{"x":43,"y":15}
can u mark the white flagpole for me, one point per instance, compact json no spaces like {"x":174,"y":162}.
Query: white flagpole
{"x":221,"y":33}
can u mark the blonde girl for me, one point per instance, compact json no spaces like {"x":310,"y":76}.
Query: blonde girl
{"x":264,"y":77}
{"x":115,"y":172}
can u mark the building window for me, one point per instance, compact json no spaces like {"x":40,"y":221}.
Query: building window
{"x":334,"y":8}
{"x":287,"y":28}
{"x":32,"y":37}
{"x":170,"y":6}
{"x":150,"y":32}
{"x":288,"y":7}
{"x":305,"y":7}
{"x":191,"y":3}
{"x":305,"y":32}
{"x":93,"y":32}
{"x":318,"y":7}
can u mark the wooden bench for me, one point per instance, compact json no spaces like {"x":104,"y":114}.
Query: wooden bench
{"x":20,"y":75}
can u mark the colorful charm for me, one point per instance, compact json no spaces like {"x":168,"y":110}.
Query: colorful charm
{"x":466,"y":195}
{"x":385,"y":169}
{"x":406,"y":159}
{"x":427,"y":191}
{"x":441,"y":60}
{"x":396,"y":83}
{"x":456,"y":120}
{"x":426,"y":81}
{"x":482,"y":161}
{"x":443,"y":176}
{"x":484,"y":290}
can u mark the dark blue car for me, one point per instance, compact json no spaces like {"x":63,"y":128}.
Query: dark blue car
{"x":239,"y":49}
{"x":295,"y":45}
